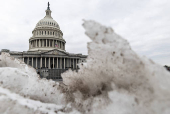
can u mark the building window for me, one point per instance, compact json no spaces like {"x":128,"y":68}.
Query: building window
{"x":53,"y":33}
{"x":45,"y":32}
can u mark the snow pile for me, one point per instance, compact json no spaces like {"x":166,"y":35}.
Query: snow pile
{"x":115,"y":80}
{"x":20,"y":86}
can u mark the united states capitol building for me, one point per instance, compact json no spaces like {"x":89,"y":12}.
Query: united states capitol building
{"x":47,"y":49}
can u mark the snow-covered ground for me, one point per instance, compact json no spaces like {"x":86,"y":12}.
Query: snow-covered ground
{"x":115,"y":80}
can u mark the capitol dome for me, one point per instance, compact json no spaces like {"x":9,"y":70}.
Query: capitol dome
{"x":47,"y":35}
{"x":47,"y":21}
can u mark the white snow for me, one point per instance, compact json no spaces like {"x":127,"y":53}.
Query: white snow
{"x":115,"y":80}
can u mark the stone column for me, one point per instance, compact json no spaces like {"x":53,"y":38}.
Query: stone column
{"x":59,"y":44}
{"x":63,"y":46}
{"x":36,"y":43}
{"x":32,"y":62}
{"x":36,"y":63}
{"x":53,"y":62}
{"x":43,"y":43}
{"x":76,"y":63}
{"x":49,"y":42}
{"x":73,"y":63}
{"x":61,"y":63}
{"x":57,"y":62}
{"x":41,"y":62}
{"x":45,"y":61}
{"x":70,"y":62}
{"x":39,"y":43}
{"x":28,"y":61}
{"x":64,"y":63}
{"x":46,"y":42}
{"x":53,"y":43}
{"x":49,"y":63}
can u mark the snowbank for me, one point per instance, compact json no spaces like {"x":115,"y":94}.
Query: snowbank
{"x":115,"y":80}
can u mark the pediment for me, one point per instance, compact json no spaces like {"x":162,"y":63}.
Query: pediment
{"x":54,"y":52}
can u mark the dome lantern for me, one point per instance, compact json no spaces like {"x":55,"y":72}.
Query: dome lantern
{"x":48,"y":11}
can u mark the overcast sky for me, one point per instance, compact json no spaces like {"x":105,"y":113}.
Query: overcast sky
{"x":144,"y":23}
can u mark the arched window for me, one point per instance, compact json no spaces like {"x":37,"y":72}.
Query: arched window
{"x":53,"y":33}
{"x":54,"y":24}
{"x":42,"y":32}
{"x":45,"y":32}
{"x":48,"y":32}
{"x":48,"y":23}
